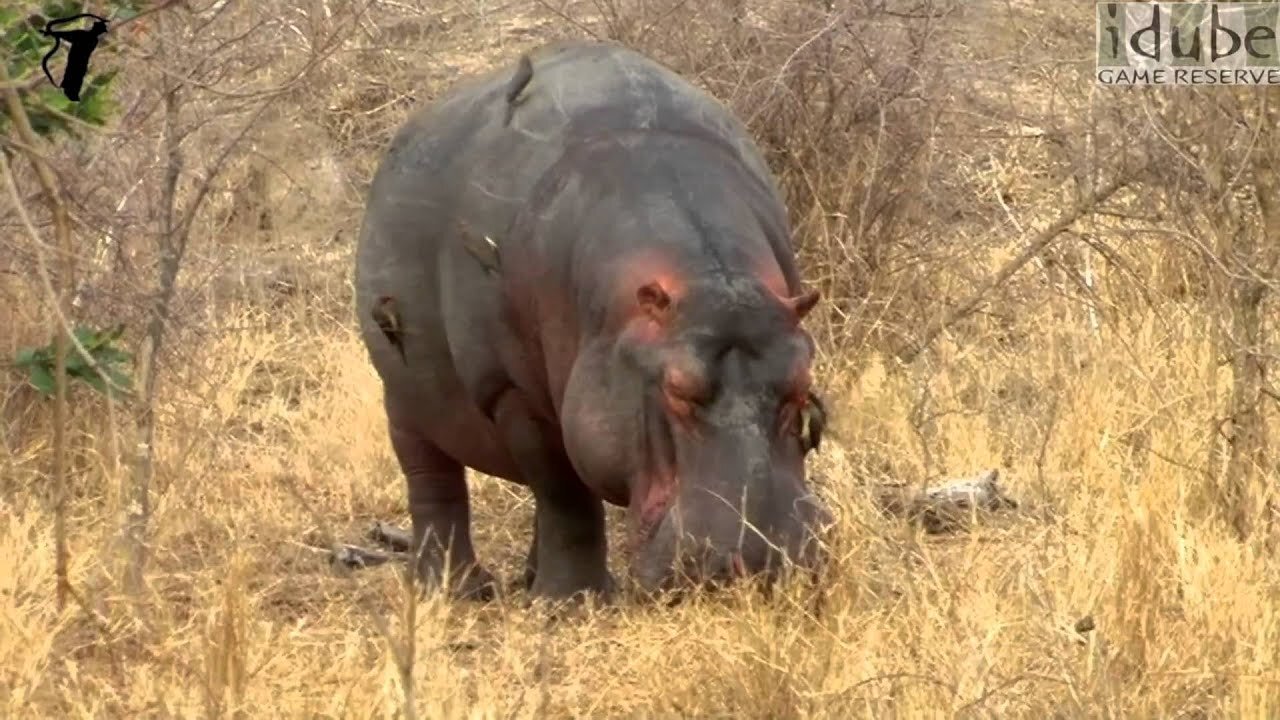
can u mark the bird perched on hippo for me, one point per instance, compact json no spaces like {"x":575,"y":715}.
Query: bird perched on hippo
{"x":576,"y":274}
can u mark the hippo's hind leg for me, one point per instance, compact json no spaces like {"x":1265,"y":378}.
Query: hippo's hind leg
{"x":440,"y":507}
{"x":569,"y":554}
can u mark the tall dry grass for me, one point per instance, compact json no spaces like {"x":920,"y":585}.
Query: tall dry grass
{"x":242,"y":615}
{"x":272,"y":445}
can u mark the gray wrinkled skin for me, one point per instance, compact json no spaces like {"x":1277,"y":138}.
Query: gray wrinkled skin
{"x":613,"y":173}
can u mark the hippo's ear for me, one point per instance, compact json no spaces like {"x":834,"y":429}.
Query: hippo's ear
{"x":804,"y":302}
{"x":654,"y":300}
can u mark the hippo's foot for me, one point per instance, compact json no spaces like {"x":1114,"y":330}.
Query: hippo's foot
{"x":529,"y":576}
{"x":569,"y":550}
{"x":472,"y":582}
{"x":603,"y":588}
{"x":467,"y":578}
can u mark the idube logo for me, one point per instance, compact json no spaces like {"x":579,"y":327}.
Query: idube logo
{"x":1188,"y":43}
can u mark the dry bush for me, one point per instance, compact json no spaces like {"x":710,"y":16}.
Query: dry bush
{"x":922,"y":146}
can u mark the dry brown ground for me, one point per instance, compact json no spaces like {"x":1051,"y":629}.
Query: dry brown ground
{"x":284,"y":449}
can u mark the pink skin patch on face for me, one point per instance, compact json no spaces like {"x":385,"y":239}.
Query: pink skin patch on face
{"x":658,"y":494}
{"x":659,"y":498}
{"x":649,"y":267}
{"x":683,"y":388}
{"x":683,"y":381}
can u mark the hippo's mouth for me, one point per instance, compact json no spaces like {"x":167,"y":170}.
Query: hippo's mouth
{"x":657,"y":483}
{"x":657,"y":496}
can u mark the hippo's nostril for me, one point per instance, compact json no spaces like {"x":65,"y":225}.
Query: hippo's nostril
{"x":710,"y":568}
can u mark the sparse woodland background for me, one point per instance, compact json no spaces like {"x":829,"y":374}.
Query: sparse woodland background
{"x":1074,"y":284}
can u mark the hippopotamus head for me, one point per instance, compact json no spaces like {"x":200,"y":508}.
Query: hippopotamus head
{"x":710,"y":382}
{"x":729,"y":416}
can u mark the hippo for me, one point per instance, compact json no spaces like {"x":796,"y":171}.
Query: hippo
{"x":575,"y":273}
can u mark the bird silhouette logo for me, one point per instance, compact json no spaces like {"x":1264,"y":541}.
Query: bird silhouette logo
{"x":81,"y":44}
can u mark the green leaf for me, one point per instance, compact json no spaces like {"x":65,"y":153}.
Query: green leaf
{"x":26,"y":356}
{"x":114,"y":356}
{"x":75,"y":362}
{"x":110,"y":355}
{"x":42,"y":120}
{"x":29,"y":42}
{"x":39,"y":362}
{"x":115,"y":333}
{"x":62,"y":8}
{"x":95,"y":381}
{"x":57,"y":101}
{"x":42,"y":380}
{"x":120,"y":379}
{"x":34,"y":356}
{"x":87,"y":337}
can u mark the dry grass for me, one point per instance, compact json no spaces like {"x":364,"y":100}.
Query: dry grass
{"x":245,"y":617}
{"x":276,"y":447}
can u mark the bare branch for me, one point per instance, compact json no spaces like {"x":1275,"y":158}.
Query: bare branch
{"x":1037,"y":245}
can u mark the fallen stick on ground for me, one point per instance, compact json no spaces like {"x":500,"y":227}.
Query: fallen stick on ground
{"x":948,"y":505}
{"x":354,"y":557}
{"x":391,"y":536}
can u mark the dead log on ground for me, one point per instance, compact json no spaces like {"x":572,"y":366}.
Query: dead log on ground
{"x":946,"y":506}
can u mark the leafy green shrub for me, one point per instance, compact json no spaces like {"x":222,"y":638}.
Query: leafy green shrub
{"x":101,"y":346}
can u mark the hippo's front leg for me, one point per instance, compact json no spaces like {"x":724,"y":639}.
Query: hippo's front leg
{"x":440,"y":507}
{"x":569,"y":553}
{"x":531,"y":560}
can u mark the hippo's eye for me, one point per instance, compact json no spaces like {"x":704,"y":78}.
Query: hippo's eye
{"x":683,"y":392}
{"x":678,"y":405}
{"x":679,"y":399}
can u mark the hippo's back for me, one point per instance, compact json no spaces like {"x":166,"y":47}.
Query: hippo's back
{"x":576,"y":89}
{"x":457,"y":160}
